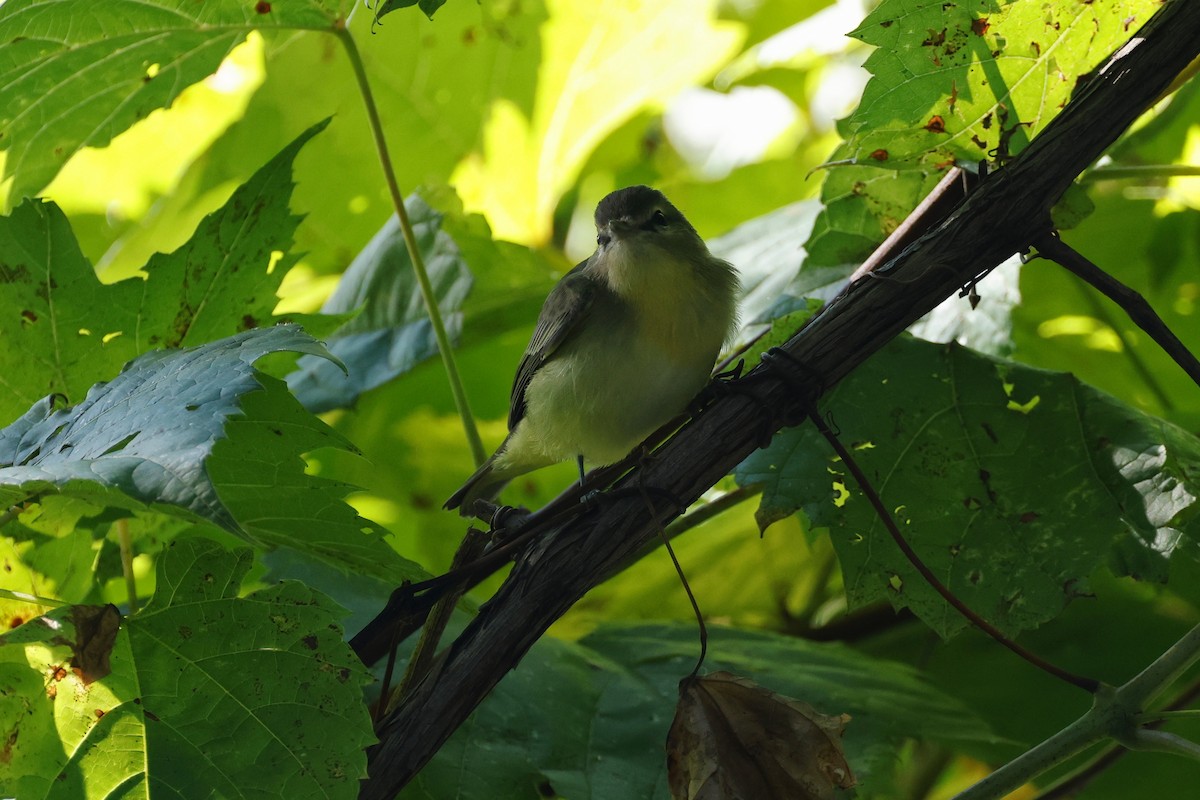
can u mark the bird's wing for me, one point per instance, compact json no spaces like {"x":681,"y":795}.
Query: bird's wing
{"x":565,"y":308}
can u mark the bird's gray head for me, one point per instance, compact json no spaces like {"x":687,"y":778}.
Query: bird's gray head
{"x":639,"y":216}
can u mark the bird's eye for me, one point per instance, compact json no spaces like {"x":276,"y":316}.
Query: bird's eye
{"x":657,"y":220}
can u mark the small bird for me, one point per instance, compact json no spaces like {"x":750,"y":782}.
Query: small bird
{"x":623,"y":343}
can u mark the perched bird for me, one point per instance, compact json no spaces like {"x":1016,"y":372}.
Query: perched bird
{"x":623,"y":343}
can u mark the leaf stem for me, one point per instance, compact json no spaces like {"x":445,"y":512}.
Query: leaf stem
{"x":410,"y":242}
{"x":1114,"y":714}
{"x":1161,"y":716}
{"x":1143,"y":315}
{"x":1074,"y":783}
{"x":1141,"y":171}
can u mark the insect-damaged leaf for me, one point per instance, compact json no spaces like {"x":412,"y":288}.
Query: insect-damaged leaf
{"x":734,"y":740}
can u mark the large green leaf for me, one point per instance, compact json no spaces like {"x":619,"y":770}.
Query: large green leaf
{"x":425,"y":80}
{"x":72,"y":76}
{"x":199,"y":433}
{"x":1012,"y":484}
{"x":954,"y":82}
{"x":209,"y":694}
{"x":993,"y":74}
{"x":66,"y":331}
{"x":600,"y":65}
{"x":392,"y":334}
{"x":589,"y":720}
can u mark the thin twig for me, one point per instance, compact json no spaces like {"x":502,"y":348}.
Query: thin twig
{"x":414,"y":252}
{"x":1087,"y":684}
{"x":687,"y":588}
{"x":26,"y":597}
{"x":1052,"y":247}
{"x":711,"y":509}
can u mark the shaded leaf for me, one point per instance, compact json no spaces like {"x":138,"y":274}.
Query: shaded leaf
{"x":200,"y":678}
{"x":948,"y":439}
{"x":392,"y":332}
{"x":95,"y":632}
{"x":734,"y":740}
{"x":72,"y":78}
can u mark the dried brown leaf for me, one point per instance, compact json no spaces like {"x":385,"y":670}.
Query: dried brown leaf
{"x":95,"y":632}
{"x":734,"y":740}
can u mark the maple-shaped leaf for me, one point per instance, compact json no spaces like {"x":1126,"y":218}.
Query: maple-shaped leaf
{"x":208,"y":692}
{"x":734,"y":740}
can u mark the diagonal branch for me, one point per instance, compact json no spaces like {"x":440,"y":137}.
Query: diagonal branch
{"x":1143,"y":315}
{"x":1002,"y":217}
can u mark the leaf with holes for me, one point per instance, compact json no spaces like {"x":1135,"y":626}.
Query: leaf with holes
{"x":244,"y":696}
{"x":948,"y":438}
{"x":950,"y":83}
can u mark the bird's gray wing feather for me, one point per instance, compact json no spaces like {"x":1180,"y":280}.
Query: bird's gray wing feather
{"x":565,"y":308}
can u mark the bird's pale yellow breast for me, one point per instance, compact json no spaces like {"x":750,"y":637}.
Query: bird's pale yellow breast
{"x":677,"y":309}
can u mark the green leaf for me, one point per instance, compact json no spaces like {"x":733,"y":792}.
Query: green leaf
{"x":224,"y":279}
{"x":199,"y":433}
{"x":944,"y":435}
{"x":67,"y":331}
{"x":72,"y":78}
{"x":863,"y":205}
{"x":952,"y":84}
{"x":245,"y":697}
{"x":260,"y":477}
{"x":589,"y":719}
{"x":592,"y":77}
{"x":392,"y":334}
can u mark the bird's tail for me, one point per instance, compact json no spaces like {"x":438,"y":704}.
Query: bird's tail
{"x":485,"y":484}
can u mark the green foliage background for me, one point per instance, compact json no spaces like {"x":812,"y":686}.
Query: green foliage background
{"x":182,"y":175}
